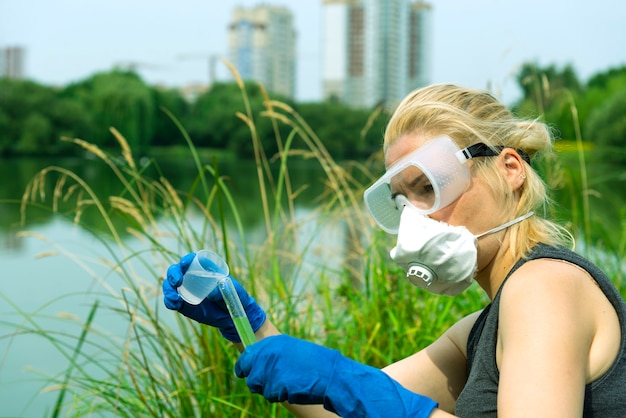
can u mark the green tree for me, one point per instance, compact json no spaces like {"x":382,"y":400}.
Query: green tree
{"x":609,"y":79}
{"x":344,"y":131}
{"x":213,"y":122}
{"x":36,"y":134}
{"x":551,"y":93}
{"x":607,"y":126}
{"x":601,"y":88}
{"x":5,"y":140}
{"x":118,"y":99}
{"x":539,"y":84}
{"x":165,"y":130}
{"x":69,"y":118}
{"x":26,"y":105}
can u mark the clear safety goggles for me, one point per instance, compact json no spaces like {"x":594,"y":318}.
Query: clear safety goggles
{"x":429,"y":178}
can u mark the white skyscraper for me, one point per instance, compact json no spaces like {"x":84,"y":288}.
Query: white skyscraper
{"x":12,"y":62}
{"x":262,"y":47}
{"x":336,"y":48}
{"x":419,"y":44}
{"x":374,"y":50}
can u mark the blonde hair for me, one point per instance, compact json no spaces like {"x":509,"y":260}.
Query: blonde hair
{"x":471,"y":116}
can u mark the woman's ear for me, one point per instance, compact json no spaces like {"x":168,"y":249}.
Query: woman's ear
{"x":513,"y":166}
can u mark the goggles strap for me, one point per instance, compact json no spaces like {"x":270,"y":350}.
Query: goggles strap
{"x":483,"y":150}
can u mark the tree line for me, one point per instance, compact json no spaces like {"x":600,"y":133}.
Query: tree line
{"x":34,"y":116}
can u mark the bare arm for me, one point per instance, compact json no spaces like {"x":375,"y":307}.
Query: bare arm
{"x":439,"y":370}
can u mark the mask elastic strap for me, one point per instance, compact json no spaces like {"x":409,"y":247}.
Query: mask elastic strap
{"x":506,"y":225}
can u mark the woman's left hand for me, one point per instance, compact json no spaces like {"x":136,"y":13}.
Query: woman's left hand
{"x":284,"y":368}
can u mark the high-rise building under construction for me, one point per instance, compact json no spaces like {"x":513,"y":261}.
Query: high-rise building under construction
{"x":375,"y":51}
{"x":262,"y":47}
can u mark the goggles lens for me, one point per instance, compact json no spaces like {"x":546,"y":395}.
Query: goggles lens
{"x":429,"y":178}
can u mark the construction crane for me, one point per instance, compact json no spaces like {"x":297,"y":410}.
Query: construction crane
{"x":211,"y":59}
{"x":134,"y":66}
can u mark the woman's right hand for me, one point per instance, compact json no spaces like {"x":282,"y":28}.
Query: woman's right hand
{"x":212,"y":310}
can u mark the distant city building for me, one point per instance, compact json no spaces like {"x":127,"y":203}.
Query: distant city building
{"x":192,"y":91}
{"x":419,"y":44}
{"x":262,"y":47}
{"x":374,"y":50}
{"x":340,"y":35}
{"x":12,"y":62}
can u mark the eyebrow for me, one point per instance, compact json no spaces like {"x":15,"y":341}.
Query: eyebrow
{"x":418,"y":179}
{"x":415,"y":181}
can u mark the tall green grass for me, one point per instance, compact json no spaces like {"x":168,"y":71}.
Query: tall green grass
{"x":593,"y":214}
{"x":166,"y":365}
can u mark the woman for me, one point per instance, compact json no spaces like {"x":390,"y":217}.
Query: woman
{"x":461,"y":194}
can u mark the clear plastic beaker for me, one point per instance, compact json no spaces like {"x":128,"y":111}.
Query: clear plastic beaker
{"x":202,"y":276}
{"x":206,"y":272}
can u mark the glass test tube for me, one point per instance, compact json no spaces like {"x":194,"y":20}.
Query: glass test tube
{"x":237,"y":313}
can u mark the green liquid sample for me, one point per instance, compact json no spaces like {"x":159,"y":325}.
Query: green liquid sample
{"x":244,"y":330}
{"x":236,"y":311}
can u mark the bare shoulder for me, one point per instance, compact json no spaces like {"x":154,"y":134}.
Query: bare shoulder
{"x":550,"y":280}
{"x":547,"y":289}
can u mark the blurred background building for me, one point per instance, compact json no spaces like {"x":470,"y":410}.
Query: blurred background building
{"x":374,"y":51}
{"x":12,"y":62}
{"x":262,"y":47}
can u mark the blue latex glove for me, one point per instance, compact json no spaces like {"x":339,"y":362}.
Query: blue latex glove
{"x":284,"y":368}
{"x":212,"y":310}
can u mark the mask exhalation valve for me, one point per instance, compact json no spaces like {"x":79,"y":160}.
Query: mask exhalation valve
{"x":418,"y":272}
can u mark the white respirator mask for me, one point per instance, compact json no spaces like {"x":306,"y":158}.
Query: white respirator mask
{"x":436,"y":256}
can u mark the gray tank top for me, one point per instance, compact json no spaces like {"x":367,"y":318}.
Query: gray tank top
{"x":605,"y":397}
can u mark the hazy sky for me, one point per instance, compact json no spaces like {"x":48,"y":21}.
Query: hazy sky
{"x":475,"y":43}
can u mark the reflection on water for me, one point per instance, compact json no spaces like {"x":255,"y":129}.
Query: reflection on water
{"x":240,"y":177}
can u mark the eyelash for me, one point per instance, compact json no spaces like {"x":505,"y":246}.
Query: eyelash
{"x":429,"y":189}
